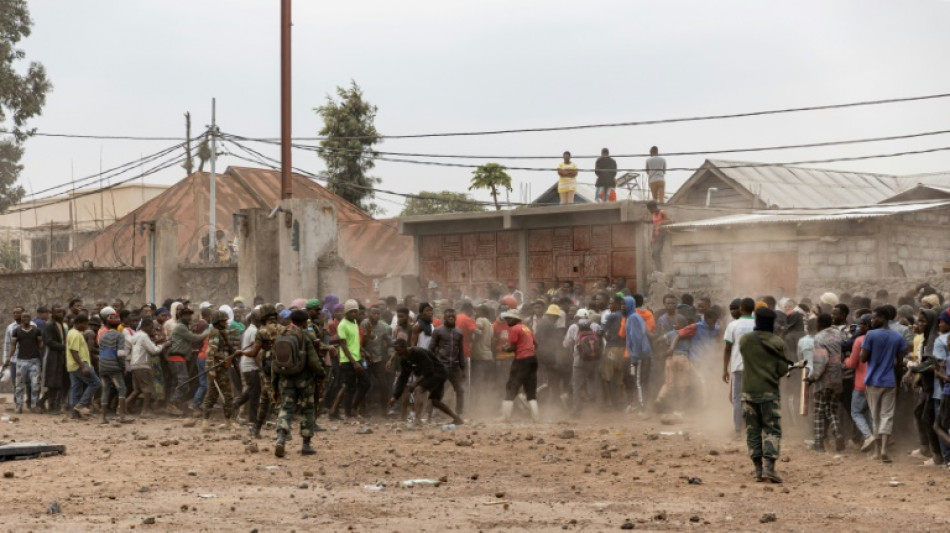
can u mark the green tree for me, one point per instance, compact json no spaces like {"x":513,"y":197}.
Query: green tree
{"x":11,"y":260}
{"x":435,"y":203}
{"x":22,"y":96}
{"x":347,"y":149}
{"x":492,"y":177}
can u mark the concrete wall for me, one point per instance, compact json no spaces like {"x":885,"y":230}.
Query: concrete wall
{"x":803,"y":261}
{"x":258,"y":255}
{"x":32,"y":289}
{"x":217,"y":284}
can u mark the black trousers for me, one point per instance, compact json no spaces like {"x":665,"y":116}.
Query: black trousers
{"x":356,"y":383}
{"x":524,"y":373}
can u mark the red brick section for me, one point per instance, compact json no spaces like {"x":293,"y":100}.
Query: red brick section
{"x":584,"y":254}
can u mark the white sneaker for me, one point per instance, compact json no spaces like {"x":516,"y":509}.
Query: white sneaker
{"x":869,"y":442}
{"x":930,"y":462}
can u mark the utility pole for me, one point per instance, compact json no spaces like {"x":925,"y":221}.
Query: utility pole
{"x":214,"y":133}
{"x":286,"y":186}
{"x":189,"y":165}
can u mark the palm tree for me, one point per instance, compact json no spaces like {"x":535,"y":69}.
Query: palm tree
{"x":491,"y":176}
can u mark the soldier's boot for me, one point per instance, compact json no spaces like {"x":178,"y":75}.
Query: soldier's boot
{"x":256,"y":429}
{"x":206,"y":426}
{"x":768,"y":471}
{"x":757,"y":461}
{"x":279,"y":450}
{"x":307,"y":449}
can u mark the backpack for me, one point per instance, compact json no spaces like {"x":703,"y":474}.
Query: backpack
{"x":588,"y":344}
{"x":287,"y":360}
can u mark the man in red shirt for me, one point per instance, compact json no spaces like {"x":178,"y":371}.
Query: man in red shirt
{"x":524,"y":368}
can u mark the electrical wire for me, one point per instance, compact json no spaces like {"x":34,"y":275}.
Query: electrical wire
{"x":551,"y":156}
{"x":109,"y":173}
{"x":100,"y":137}
{"x":641,"y":170}
{"x":645,"y":122}
{"x":143,"y":174}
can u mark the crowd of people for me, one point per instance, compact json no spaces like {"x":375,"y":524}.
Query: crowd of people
{"x":868,"y":368}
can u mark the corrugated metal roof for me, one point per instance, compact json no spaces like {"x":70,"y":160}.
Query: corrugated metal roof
{"x":786,"y":187}
{"x":188,"y":202}
{"x":376,"y":248}
{"x":774,"y":216}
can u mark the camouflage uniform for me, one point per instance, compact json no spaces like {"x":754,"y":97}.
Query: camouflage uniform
{"x":315,"y":335}
{"x":218,"y":350}
{"x":763,"y":419}
{"x":265,"y":336}
{"x":298,"y":391}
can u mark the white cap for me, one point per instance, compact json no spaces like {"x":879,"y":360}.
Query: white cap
{"x":582,"y":313}
{"x":106,"y":311}
{"x":204,"y":305}
{"x":351,"y":305}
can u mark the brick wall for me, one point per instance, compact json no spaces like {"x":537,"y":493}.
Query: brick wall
{"x":46,"y":287}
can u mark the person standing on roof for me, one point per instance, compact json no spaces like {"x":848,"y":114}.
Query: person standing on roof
{"x":656,"y":172}
{"x":567,"y":180}
{"x":606,"y":170}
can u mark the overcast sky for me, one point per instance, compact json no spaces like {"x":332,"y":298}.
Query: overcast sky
{"x":134,"y":67}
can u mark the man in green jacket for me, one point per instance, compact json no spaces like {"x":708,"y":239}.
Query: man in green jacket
{"x":764,"y":363}
{"x":179,"y":351}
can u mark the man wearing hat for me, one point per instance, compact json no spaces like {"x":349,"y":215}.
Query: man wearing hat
{"x":524,"y":368}
{"x":550,"y":353}
{"x":764,"y":364}
{"x":260,"y":351}
{"x":181,"y":341}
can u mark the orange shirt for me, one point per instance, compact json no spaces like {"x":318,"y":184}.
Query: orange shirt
{"x":647,"y":317}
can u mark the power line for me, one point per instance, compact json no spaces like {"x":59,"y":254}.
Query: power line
{"x":644,"y":122}
{"x":153,"y":170}
{"x":552,"y":156}
{"x":99,"y":137}
{"x":269,"y":162}
{"x":669,"y":169}
{"x":109,"y":173}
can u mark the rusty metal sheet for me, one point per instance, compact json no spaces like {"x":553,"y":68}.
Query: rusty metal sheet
{"x":483,"y":269}
{"x":581,"y":238}
{"x":563,"y":240}
{"x":451,"y":246}
{"x":600,"y":237}
{"x":774,"y":273}
{"x":540,"y":266}
{"x":507,"y":243}
{"x":433,"y":270}
{"x":431,"y":246}
{"x":506,"y":268}
{"x":596,"y":265}
{"x":624,"y":263}
{"x":458,"y":271}
{"x":623,"y":236}
{"x":567,"y":266}
{"x":470,"y":245}
{"x":540,"y":240}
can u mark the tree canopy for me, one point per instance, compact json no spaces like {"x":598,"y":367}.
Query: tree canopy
{"x":491,"y":176}
{"x":347,"y":148}
{"x":434,"y":203}
{"x":22,"y":96}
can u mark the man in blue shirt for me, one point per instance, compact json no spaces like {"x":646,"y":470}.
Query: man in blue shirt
{"x":882,"y":348}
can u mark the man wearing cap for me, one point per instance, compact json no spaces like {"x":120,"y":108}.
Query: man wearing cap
{"x":584,"y":371}
{"x":181,"y":342}
{"x":524,"y":367}
{"x":260,"y":351}
{"x":352,"y":369}
{"x":296,"y":392}
{"x":764,"y":364}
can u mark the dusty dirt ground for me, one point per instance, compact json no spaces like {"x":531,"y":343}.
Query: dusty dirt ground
{"x":156,"y":475}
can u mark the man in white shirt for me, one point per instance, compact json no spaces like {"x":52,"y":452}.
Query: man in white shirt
{"x":656,"y":171}
{"x":732,"y":359}
{"x":143,"y":381}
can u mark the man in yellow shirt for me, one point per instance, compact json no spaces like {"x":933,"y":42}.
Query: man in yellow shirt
{"x":567,"y":180}
{"x":83,"y":380}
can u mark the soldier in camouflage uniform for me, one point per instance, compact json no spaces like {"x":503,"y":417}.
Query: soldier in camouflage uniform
{"x":261,"y":350}
{"x":764,"y":361}
{"x":218,"y":358}
{"x":298,"y":390}
{"x":317,"y":335}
